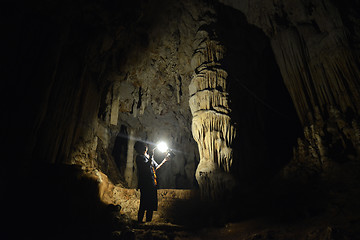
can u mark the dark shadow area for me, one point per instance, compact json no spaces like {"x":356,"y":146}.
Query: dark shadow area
{"x":58,"y":202}
{"x":195,"y":214}
{"x":262,"y":110}
{"x":119,"y":151}
{"x":288,"y":209}
{"x":49,"y":100}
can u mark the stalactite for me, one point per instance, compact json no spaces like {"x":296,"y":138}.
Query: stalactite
{"x":319,"y":63}
{"x":322,"y":76}
{"x":318,"y":77}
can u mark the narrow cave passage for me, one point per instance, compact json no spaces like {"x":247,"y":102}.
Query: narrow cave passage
{"x":86,"y":80}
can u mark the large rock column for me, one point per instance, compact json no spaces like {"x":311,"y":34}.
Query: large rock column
{"x":211,"y":124}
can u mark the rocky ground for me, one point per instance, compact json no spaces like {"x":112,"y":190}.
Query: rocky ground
{"x":64,"y":202}
{"x":183,"y":216}
{"x":253,"y":229}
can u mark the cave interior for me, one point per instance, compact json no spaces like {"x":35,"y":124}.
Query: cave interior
{"x":259,"y":101}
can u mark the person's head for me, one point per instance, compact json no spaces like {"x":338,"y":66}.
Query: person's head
{"x":140,"y":147}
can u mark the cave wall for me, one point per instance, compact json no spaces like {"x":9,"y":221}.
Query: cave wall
{"x":60,"y":79}
{"x":92,"y":75}
{"x":316,"y":47}
{"x":86,"y":70}
{"x":149,"y":94}
{"x":82,"y":75}
{"x":166,"y":57}
{"x":238,"y":102}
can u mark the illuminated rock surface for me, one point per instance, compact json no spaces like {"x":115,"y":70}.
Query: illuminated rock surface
{"x":260,"y":95}
{"x":211,"y":124}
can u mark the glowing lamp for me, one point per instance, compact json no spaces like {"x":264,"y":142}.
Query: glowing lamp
{"x":162,"y":147}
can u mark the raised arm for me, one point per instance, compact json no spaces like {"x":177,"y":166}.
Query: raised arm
{"x":163,"y":161}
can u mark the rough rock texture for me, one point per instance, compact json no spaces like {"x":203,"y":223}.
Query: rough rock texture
{"x":212,"y":128}
{"x":326,"y":146}
{"x":233,"y":87}
{"x":109,"y":74}
{"x":129,"y":200}
{"x":313,"y":52}
{"x":319,"y":62}
{"x":149,"y":94}
{"x":86,"y":79}
{"x":97,"y":77}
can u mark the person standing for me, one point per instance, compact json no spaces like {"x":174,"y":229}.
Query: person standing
{"x":147,"y":182}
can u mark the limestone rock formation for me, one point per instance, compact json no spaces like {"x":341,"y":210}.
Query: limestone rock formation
{"x":150,"y":94}
{"x":117,"y":77}
{"x":87,"y":79}
{"x":313,"y":52}
{"x":319,"y":63}
{"x":106,"y":78}
{"x":211,"y":124}
{"x":326,"y":145}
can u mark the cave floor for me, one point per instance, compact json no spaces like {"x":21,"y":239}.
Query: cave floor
{"x":71,"y":214}
{"x":262,"y":228}
{"x":181,"y":218}
{"x":241,"y":230}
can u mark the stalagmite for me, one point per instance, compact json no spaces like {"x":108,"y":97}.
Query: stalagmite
{"x":211,"y":125}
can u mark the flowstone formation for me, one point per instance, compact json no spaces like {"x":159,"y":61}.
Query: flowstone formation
{"x":315,"y":46}
{"x":322,"y":76}
{"x":325,"y":147}
{"x":209,"y":103}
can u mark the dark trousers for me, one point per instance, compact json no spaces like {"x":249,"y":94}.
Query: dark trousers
{"x":149,"y":215}
{"x":148,"y":203}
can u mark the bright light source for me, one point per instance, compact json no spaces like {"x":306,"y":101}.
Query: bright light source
{"x":162,"y":146}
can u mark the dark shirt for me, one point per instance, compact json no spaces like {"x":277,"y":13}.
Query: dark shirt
{"x":146,"y":169}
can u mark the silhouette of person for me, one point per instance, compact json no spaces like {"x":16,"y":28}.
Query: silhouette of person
{"x":147,"y":182}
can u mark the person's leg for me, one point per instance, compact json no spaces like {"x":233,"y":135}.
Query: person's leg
{"x":149,"y":215}
{"x":141,"y":213}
